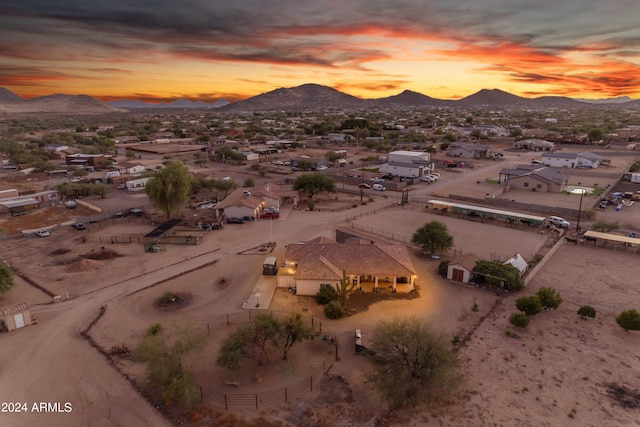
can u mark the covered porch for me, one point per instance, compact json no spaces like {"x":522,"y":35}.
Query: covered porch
{"x":382,"y":283}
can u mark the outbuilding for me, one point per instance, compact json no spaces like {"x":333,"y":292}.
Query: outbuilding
{"x":16,"y":316}
{"x":461,"y":268}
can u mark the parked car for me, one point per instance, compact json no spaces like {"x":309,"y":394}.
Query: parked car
{"x":322,"y":168}
{"x":559,"y":222}
{"x":270,"y":215}
{"x":379,"y":187}
{"x":535,"y":162}
{"x":43,"y":233}
{"x":435,"y":177}
{"x":122,"y":187}
{"x":79,"y":226}
{"x":235,"y":220}
{"x":377,"y":179}
{"x":427,"y":178}
{"x":387,"y":176}
{"x":278,"y":163}
{"x":364,"y":185}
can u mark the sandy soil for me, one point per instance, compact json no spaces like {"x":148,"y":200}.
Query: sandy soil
{"x":553,"y":374}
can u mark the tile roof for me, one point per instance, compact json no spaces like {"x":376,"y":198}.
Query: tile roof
{"x":468,"y":261}
{"x":326,"y":260}
{"x":239,"y":198}
{"x":10,"y":310}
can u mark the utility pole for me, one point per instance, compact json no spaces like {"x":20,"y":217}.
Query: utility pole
{"x":582,"y":191}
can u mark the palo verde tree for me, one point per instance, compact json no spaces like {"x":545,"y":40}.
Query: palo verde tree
{"x":529,"y":305}
{"x":411,"y":362}
{"x":169,"y":188}
{"x":433,"y":237}
{"x":314,"y":183}
{"x":6,"y":278}
{"x":163,"y":353}
{"x":250,"y":342}
{"x":293,"y":330}
{"x":225,"y":185}
{"x":346,"y":287}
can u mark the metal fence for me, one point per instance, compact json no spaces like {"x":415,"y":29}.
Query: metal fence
{"x":257,"y":400}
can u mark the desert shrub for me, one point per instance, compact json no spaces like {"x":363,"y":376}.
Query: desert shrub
{"x":497,"y":274}
{"x":168,"y":297}
{"x":154,"y":329}
{"x":249,"y":182}
{"x":587,"y":311}
{"x":629,"y":320}
{"x":530,"y":305}
{"x":334,"y":310}
{"x":443,"y":267}
{"x":312,"y":204}
{"x":519,"y":320}
{"x":326,"y":295}
{"x":549,"y":297}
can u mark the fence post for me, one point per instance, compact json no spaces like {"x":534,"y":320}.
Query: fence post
{"x":228,"y":318}
{"x":226,"y":405}
{"x":208,"y":330}
{"x":256,"y":401}
{"x":200,"y":394}
{"x":286,"y":395}
{"x":311,"y":381}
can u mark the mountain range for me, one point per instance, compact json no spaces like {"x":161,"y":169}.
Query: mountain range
{"x":304,"y":97}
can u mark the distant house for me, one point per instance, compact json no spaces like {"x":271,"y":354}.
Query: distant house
{"x":534,"y":178}
{"x":127,"y":167}
{"x":16,"y":316}
{"x":583,"y":159}
{"x":535,"y":145}
{"x":518,"y":262}
{"x":84,"y":160}
{"x":137,"y":184}
{"x":367,"y":266}
{"x":469,"y":150}
{"x":250,"y":156}
{"x":241,"y":203}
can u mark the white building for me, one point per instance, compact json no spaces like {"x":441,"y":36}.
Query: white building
{"x":137,"y":184}
{"x":583,"y":159}
{"x":407,"y":164}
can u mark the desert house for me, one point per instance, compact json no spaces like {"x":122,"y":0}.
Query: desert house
{"x":240,"y":204}
{"x":128,"y":167}
{"x":18,"y":205}
{"x":15,"y":316}
{"x":583,"y":159}
{"x":407,"y":164}
{"x":137,"y":184}
{"x":368,"y":266}
{"x":469,"y":150}
{"x":534,"y":178}
{"x":535,"y":144}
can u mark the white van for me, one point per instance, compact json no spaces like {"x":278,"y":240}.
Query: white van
{"x":559,"y":222}
{"x":378,"y":187}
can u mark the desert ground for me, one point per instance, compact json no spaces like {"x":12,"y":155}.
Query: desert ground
{"x":557,"y":371}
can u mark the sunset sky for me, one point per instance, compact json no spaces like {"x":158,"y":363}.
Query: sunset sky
{"x":159,"y":50}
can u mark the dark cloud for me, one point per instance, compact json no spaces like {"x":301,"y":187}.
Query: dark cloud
{"x":515,"y":38}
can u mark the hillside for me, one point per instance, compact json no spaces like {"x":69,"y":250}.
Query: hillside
{"x":78,"y":104}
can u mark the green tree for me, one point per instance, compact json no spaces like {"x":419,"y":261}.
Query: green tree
{"x":6,"y":278}
{"x":443,"y":268}
{"x":549,"y":297}
{"x":293,"y":330}
{"x":130,"y":154}
{"x":225,"y":185}
{"x":433,"y":237}
{"x":497,"y":274}
{"x":250,"y":342}
{"x":587,"y":311}
{"x":169,"y":189}
{"x":314,"y":183}
{"x":164,"y":353}
{"x":305,"y":165}
{"x":100,"y":190}
{"x":80,"y":173}
{"x":519,"y":320}
{"x":529,"y":305}
{"x":249,"y":182}
{"x":595,"y":135}
{"x":411,"y":362}
{"x":629,"y":320}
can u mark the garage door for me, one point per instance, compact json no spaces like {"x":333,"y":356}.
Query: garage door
{"x":19,"y":319}
{"x":457,"y":275}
